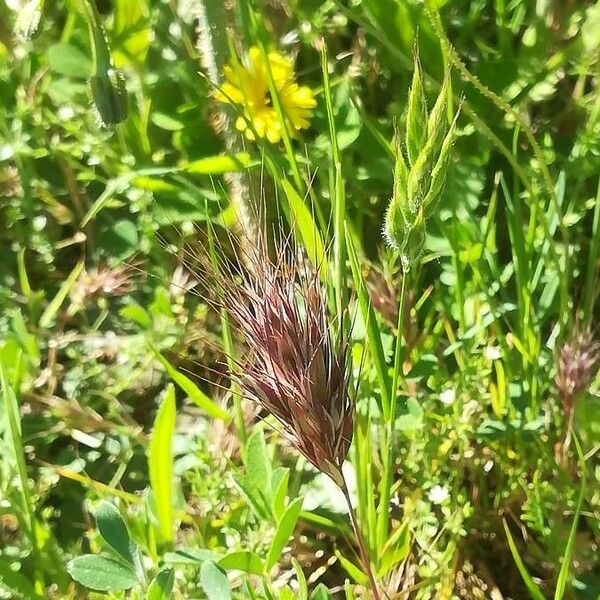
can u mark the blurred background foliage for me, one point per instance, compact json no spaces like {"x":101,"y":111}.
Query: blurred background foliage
{"x":96,"y":225}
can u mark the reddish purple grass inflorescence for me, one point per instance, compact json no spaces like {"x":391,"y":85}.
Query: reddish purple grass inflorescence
{"x":295,"y":369}
{"x":577,"y":362}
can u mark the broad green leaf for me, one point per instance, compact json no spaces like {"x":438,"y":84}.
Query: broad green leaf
{"x":131,"y":35}
{"x":256,"y":482}
{"x":160,"y":463}
{"x":395,"y":550}
{"x":244,"y":560}
{"x":102,"y":573}
{"x":113,"y":530}
{"x":69,"y":60}
{"x":255,"y":498}
{"x":166,"y":122}
{"x":258,"y":466}
{"x":285,"y":528}
{"x":307,"y":228}
{"x":214,"y":582}
{"x":195,"y":394}
{"x":413,"y":419}
{"x":153,"y":184}
{"x":121,"y":238}
{"x":161,"y":586}
{"x":354,"y":571}
{"x":134,"y":312}
{"x":217,"y":165}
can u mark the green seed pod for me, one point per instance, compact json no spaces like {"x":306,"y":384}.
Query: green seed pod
{"x":438,"y":175}
{"x":416,"y":115}
{"x":110,"y":96}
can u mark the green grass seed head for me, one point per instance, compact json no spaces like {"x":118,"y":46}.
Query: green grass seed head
{"x":418,"y":185}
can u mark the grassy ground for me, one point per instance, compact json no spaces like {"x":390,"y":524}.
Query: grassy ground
{"x":130,"y":465}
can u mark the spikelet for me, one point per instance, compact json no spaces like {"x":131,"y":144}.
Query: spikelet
{"x":295,"y":370}
{"x":419,"y":178}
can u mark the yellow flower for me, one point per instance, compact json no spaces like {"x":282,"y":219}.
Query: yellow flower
{"x":248,"y":86}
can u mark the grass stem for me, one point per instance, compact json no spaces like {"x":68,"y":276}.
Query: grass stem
{"x":364,"y":555}
{"x":388,"y":447}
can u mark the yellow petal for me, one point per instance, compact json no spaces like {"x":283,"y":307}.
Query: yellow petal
{"x":281,"y":69}
{"x":241,"y":124}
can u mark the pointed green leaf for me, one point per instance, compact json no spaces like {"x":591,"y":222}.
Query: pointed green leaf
{"x":160,"y":464}
{"x":354,"y":571}
{"x":304,"y":223}
{"x":285,"y":528}
{"x":244,"y":560}
{"x":195,"y":394}
{"x":532,"y":588}
{"x":113,"y":530}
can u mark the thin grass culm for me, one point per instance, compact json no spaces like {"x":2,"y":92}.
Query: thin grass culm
{"x":295,"y":369}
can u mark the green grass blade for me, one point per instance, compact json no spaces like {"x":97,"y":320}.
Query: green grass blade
{"x":532,"y":588}
{"x":52,"y":309}
{"x":563,"y":575}
{"x":372,"y":327}
{"x":592,"y":261}
{"x":160,"y":464}
{"x":338,"y":194}
{"x":11,"y":409}
{"x":302,"y":220}
{"x":195,"y":394}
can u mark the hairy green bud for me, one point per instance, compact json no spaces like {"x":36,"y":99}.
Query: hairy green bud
{"x":415,"y":242}
{"x":416,"y":115}
{"x":401,"y":181}
{"x":396,"y":229}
